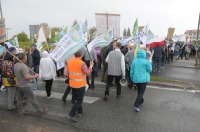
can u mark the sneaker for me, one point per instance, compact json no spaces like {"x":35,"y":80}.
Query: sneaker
{"x":105,"y":97}
{"x":137,"y":109}
{"x":2,"y":87}
{"x":49,"y":97}
{"x":44,"y":110}
{"x":63,"y":100}
{"x":72,"y":118}
{"x":79,"y":115}
{"x":119,"y":96}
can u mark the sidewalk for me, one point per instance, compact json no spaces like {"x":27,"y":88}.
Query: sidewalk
{"x":183,"y":63}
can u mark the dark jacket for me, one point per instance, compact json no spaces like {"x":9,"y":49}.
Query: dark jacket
{"x":36,"y":57}
{"x":8,"y":57}
{"x":124,"y":51}
{"x":157,"y":52}
{"x":198,"y":50}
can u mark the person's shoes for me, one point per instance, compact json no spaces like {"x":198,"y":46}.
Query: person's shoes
{"x":44,"y":110}
{"x":2,"y":87}
{"x":195,"y":64}
{"x":92,"y":86}
{"x":63,"y":100}
{"x":137,"y":109}
{"x":72,"y":118}
{"x":119,"y":96}
{"x":79,"y":115}
{"x":105,"y":97}
{"x":12,"y":109}
{"x":49,"y":97}
{"x":102,"y":80}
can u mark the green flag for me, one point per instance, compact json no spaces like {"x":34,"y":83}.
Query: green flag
{"x":135,"y":28}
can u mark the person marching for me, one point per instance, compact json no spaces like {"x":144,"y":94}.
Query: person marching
{"x":116,"y":69}
{"x":140,"y":75}
{"x":77,"y":72}
{"x":87,"y":58}
{"x":47,"y":70}
{"x":23,"y":85}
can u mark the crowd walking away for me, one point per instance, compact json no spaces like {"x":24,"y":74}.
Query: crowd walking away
{"x":134,"y":63}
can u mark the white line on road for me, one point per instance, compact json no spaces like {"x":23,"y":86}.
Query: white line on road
{"x":55,"y":95}
{"x":174,"y":89}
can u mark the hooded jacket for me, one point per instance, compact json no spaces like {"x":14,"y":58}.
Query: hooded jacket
{"x":47,"y":68}
{"x":141,"y":68}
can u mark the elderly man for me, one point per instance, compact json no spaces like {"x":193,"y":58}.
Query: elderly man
{"x":116,"y":69}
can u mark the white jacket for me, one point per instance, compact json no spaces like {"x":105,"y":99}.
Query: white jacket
{"x":47,"y":68}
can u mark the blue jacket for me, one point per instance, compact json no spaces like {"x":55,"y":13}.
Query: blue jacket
{"x":140,"y":68}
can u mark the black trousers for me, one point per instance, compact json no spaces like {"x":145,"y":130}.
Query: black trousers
{"x":67,"y":91}
{"x":109,"y":83}
{"x":78,"y":94}
{"x":141,"y":89}
{"x":48,"y":87}
{"x":93,"y":73}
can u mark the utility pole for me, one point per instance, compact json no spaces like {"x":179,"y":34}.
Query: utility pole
{"x":1,"y":10}
{"x":198,"y":28}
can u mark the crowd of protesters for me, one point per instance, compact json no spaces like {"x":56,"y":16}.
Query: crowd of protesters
{"x":20,"y":72}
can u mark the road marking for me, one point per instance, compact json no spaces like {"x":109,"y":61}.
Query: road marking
{"x":55,"y":95}
{"x":174,"y":89}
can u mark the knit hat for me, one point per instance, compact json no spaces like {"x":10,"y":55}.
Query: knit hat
{"x":11,"y":49}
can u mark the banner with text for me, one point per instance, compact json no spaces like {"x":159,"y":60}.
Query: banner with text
{"x":101,"y":41}
{"x":142,"y":35}
{"x":69,"y":44}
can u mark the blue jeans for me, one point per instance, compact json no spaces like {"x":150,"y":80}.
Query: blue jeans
{"x":156,"y":64}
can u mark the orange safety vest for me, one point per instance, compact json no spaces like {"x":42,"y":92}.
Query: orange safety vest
{"x":77,"y":78}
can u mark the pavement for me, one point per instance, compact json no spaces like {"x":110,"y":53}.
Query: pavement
{"x":184,"y":63}
{"x":168,"y":107}
{"x":165,"y":109}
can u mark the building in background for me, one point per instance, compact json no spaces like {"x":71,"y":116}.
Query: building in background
{"x":34,"y":30}
{"x":192,"y":34}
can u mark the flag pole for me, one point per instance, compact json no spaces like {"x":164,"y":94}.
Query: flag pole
{"x":19,"y":60}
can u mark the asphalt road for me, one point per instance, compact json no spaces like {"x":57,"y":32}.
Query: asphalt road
{"x":163,"y":111}
{"x":180,"y":73}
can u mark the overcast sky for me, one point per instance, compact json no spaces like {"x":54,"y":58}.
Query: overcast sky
{"x":160,"y":14}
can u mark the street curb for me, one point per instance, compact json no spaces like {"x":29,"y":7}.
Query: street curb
{"x":184,"y":66}
{"x":173,"y":85}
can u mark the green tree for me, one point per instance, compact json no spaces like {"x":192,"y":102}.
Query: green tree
{"x":54,"y":30}
{"x":92,"y":33}
{"x":124,"y":33}
{"x":129,"y":32}
{"x":22,"y":37}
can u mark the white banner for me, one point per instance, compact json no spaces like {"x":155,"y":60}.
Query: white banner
{"x":108,"y":21}
{"x":41,"y":39}
{"x":143,"y":37}
{"x":101,"y":41}
{"x":60,"y":65}
{"x":69,"y":44}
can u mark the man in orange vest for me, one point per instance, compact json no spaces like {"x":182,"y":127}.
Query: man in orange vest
{"x":77,"y":72}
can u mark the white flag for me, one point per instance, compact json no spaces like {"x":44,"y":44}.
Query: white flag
{"x":41,"y":39}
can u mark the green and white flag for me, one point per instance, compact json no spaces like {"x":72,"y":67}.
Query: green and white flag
{"x":15,"y":42}
{"x":69,"y":44}
{"x":2,"y":50}
{"x":101,"y":41}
